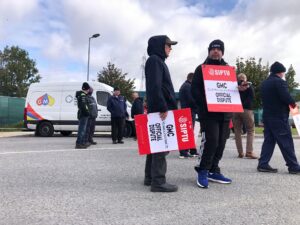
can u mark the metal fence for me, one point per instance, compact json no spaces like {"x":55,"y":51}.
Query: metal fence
{"x":11,"y":110}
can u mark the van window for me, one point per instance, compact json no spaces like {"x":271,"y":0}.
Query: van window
{"x":102,"y":97}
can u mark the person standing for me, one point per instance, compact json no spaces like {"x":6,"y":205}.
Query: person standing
{"x":276,"y":101}
{"x":187,"y":101}
{"x":247,"y":117}
{"x":214,"y":125}
{"x":92,"y":118}
{"x":137,"y":107}
{"x":116,"y":105}
{"x":82,"y":115}
{"x":160,"y":98}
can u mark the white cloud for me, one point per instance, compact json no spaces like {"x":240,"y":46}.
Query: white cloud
{"x":60,"y":31}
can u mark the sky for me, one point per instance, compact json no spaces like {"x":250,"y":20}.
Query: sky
{"x":56,"y":33}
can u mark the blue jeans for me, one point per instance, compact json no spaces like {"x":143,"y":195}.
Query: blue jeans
{"x":278,"y":131}
{"x":81,"y":130}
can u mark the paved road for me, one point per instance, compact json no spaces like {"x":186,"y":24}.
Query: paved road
{"x":45,"y":181}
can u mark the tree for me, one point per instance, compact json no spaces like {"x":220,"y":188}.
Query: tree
{"x":114,"y":77}
{"x":290,"y":79}
{"x":255,"y":72}
{"x":17,"y":72}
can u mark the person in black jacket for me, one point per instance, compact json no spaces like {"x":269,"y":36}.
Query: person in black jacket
{"x":137,"y":107}
{"x":214,"y":125}
{"x":160,"y":98}
{"x":276,"y":101}
{"x":187,"y":101}
{"x":116,"y":105}
{"x":82,"y":115}
{"x":245,"y":118}
{"x":92,"y":118}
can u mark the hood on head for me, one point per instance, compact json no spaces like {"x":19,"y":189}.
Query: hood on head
{"x":156,"y":45}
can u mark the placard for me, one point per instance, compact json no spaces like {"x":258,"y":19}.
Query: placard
{"x":173,"y":133}
{"x":221,"y":89}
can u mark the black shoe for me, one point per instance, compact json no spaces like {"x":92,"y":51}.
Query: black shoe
{"x":185,"y":156}
{"x":195,"y":155}
{"x":164,"y":188}
{"x":147,"y":182}
{"x":88,"y":144}
{"x":115,"y":142}
{"x":79,"y":146}
{"x":93,"y":142}
{"x":267,"y":169}
{"x":121,"y":142}
{"x":294,"y":171}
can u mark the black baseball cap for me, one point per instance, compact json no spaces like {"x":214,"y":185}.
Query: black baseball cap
{"x":169,"y":42}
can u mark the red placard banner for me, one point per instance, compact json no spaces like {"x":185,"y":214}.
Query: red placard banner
{"x":173,"y":133}
{"x":221,"y":89}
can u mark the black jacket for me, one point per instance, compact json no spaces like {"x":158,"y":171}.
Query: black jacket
{"x":117,"y":106}
{"x":275,"y":97}
{"x":185,"y":96}
{"x":82,"y":103}
{"x":247,"y":98}
{"x":159,"y":88}
{"x":198,"y":94}
{"x":92,"y":106}
{"x":137,"y":107}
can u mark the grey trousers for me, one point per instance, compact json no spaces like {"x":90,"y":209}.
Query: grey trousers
{"x":156,"y":168}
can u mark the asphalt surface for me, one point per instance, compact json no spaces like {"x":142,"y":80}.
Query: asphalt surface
{"x":47,"y":181}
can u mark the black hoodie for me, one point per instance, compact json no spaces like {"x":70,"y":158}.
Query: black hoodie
{"x":159,"y":88}
{"x":198,"y":93}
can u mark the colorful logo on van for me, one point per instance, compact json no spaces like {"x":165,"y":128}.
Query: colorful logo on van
{"x":45,"y":100}
{"x":32,"y":114}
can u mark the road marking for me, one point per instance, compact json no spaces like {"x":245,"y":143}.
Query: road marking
{"x":64,"y":150}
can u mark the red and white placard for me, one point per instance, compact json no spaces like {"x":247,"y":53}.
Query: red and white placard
{"x":174,"y":133}
{"x":296,"y":117}
{"x":221,"y":90}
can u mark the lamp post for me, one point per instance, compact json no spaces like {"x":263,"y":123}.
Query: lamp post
{"x":88,"y":66}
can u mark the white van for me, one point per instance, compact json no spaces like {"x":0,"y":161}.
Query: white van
{"x":52,"y":107}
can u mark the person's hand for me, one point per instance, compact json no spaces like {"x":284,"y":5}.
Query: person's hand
{"x":294,"y":109}
{"x":243,"y":86}
{"x":163,"y":115}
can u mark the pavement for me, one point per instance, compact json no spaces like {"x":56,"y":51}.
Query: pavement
{"x":46,"y":181}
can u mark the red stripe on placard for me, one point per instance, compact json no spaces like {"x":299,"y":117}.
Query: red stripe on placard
{"x":141,"y":126}
{"x":219,"y":73}
{"x":225,"y":108}
{"x":184,"y":128}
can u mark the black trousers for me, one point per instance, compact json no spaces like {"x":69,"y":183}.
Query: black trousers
{"x":117,"y":128}
{"x":192,"y":150}
{"x":278,"y":131}
{"x":90,"y":129}
{"x":214,"y":136}
{"x":156,"y":168}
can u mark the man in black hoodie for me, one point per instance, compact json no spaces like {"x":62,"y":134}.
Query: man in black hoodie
{"x":82,"y":115}
{"x":187,"y":101}
{"x":214,"y":125}
{"x":160,"y":98}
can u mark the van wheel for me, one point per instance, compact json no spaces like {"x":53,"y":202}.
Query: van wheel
{"x":66,"y":133}
{"x":128,"y":129}
{"x":45,"y":129}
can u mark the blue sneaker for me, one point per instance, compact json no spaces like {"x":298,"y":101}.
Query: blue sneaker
{"x":202,"y":180}
{"x":218,"y":178}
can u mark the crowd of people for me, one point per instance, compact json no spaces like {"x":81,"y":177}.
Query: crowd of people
{"x":215,"y":126}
